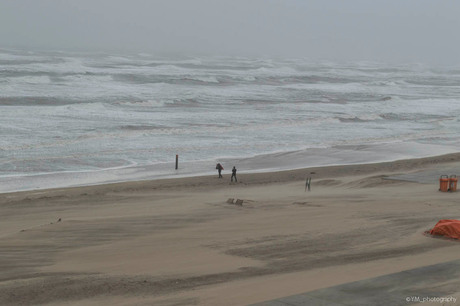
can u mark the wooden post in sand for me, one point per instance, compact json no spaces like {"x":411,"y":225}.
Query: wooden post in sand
{"x":177,"y":161}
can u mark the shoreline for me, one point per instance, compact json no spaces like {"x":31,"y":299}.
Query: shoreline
{"x":265,"y":163}
{"x":253,"y":178}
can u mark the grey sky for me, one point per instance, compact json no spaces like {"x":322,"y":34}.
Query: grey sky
{"x":392,"y":30}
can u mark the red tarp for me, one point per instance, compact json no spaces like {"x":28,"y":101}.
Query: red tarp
{"x":447,"y":228}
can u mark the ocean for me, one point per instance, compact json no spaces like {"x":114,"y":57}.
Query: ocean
{"x":72,"y":119}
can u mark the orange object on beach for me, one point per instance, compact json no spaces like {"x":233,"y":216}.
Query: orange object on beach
{"x":447,"y":228}
{"x":444,"y":183}
{"x":453,"y":183}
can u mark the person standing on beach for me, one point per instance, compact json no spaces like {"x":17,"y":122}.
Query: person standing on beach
{"x":219,"y":169}
{"x":234,"y":174}
{"x":308,"y":184}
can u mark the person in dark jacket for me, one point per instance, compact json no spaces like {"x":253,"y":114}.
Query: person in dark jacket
{"x":219,"y":169}
{"x":234,"y":174}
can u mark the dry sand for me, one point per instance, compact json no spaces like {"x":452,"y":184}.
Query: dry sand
{"x":177,"y":242}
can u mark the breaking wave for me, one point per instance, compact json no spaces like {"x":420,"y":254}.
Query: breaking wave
{"x":95,"y":111}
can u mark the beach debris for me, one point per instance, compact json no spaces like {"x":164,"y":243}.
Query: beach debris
{"x":237,"y":202}
{"x":307,"y":204}
{"x":59,"y":220}
{"x":300,"y":203}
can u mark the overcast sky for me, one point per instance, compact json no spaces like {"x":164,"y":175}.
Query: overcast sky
{"x":425,"y":31}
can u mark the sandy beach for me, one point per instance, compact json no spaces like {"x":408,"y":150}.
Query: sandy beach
{"x":177,"y":241}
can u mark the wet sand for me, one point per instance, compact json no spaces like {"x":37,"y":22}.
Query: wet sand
{"x":177,"y":242}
